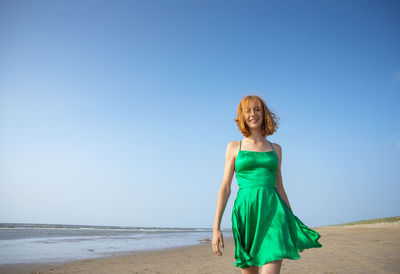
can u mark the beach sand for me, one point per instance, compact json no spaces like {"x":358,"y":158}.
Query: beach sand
{"x":373,"y":248}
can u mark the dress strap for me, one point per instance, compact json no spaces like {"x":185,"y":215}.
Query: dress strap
{"x":271,"y":146}
{"x":240,"y":146}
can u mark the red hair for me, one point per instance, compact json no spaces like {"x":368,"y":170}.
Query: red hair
{"x":269,"y":125}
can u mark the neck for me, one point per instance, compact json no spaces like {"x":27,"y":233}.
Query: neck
{"x":255,"y":138}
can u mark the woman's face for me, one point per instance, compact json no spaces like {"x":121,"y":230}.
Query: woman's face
{"x":254,"y":115}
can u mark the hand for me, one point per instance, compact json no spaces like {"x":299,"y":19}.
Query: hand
{"x":217,"y":240}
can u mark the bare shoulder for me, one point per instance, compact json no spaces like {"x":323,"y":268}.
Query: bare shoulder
{"x":233,"y":147}
{"x":277,"y":147}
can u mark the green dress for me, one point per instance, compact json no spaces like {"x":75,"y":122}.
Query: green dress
{"x":264,"y":227}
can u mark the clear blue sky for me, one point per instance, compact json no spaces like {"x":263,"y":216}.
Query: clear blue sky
{"x":119,"y":112}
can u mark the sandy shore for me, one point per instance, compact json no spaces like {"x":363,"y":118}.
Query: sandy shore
{"x":346,"y":249}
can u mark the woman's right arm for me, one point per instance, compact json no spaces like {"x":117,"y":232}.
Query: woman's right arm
{"x":223,"y":195}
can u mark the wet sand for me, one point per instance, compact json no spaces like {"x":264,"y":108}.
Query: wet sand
{"x":373,"y":248}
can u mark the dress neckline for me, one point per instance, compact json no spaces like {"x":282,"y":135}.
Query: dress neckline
{"x":273,"y":150}
{"x":257,"y":151}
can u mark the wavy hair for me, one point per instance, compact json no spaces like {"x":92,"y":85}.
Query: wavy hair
{"x":270,"y":121}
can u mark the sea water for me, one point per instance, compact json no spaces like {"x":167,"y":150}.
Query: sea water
{"x":42,"y":243}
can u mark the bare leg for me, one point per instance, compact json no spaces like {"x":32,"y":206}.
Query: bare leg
{"x":250,"y":270}
{"x":272,"y":267}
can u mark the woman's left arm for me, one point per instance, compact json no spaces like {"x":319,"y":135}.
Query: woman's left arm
{"x":279,"y":183}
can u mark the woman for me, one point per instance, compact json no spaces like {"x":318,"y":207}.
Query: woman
{"x":264,"y":228}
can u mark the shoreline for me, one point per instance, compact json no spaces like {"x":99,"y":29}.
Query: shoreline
{"x":48,"y":267}
{"x":27,"y":244}
{"x":367,"y":248}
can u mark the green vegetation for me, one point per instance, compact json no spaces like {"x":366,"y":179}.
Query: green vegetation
{"x":374,"y":221}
